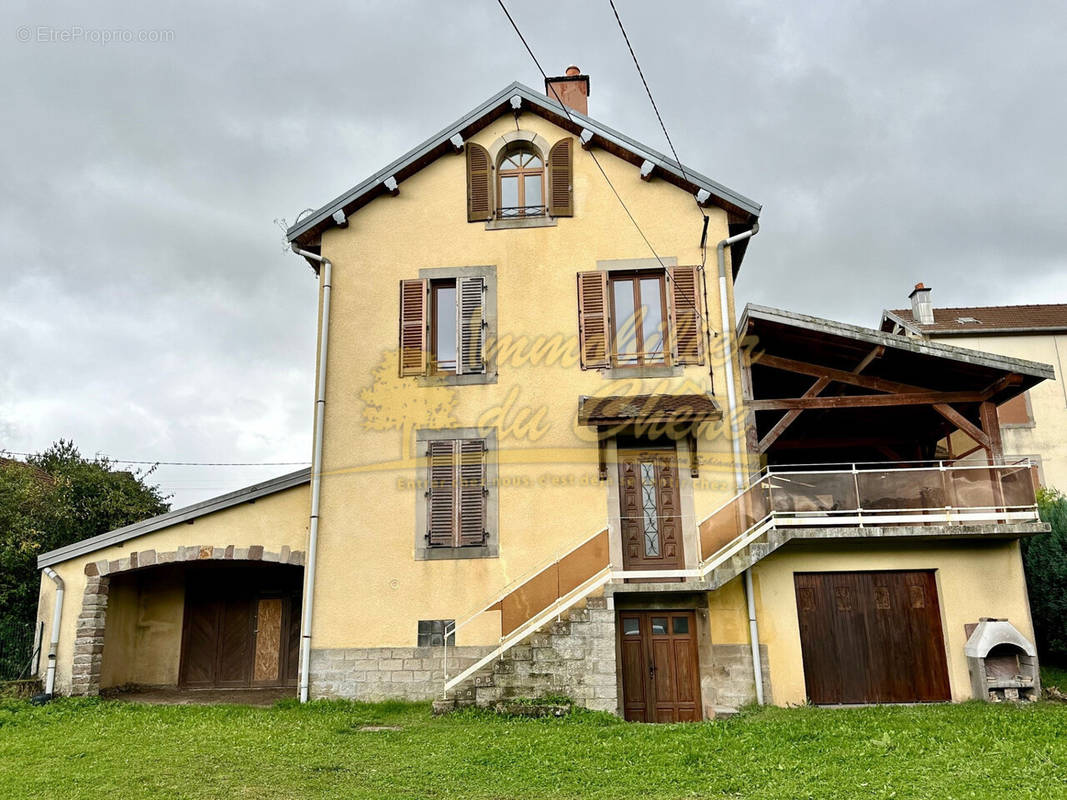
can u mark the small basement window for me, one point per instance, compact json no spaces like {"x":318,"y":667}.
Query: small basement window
{"x":432,"y":632}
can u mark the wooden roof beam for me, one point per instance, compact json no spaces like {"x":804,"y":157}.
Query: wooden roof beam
{"x":789,"y":417}
{"x":962,"y":423}
{"x":867,"y":401}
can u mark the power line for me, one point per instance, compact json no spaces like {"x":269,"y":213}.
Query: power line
{"x":596,"y":161}
{"x":185,"y":463}
{"x":659,"y":117}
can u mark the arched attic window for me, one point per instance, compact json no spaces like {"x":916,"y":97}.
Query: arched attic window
{"x":521,"y":182}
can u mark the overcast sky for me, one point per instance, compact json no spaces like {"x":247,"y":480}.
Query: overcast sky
{"x":149,"y":311}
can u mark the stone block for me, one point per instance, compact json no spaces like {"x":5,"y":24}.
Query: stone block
{"x":578,"y":615}
{"x":596,"y":602}
{"x":146,"y":558}
{"x":545,"y":654}
{"x":520,"y":652}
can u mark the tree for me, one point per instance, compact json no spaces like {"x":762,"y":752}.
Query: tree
{"x":1045,"y":560}
{"x":56,"y":498}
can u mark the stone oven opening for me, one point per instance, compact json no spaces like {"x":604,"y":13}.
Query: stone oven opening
{"x":1002,"y":662}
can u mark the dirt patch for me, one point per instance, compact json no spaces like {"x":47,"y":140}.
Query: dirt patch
{"x":200,"y":697}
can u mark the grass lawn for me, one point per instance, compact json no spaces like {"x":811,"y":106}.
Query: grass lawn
{"x":93,"y":749}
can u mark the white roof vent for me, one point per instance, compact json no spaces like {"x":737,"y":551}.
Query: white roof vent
{"x":968,"y":320}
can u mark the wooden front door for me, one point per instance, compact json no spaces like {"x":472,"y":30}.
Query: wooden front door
{"x":871,"y":637}
{"x":650,"y":510}
{"x":660,"y":673}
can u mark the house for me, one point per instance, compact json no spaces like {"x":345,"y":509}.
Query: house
{"x":1032,"y":423}
{"x":546,"y":460}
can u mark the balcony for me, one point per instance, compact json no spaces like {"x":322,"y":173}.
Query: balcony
{"x":911,"y":495}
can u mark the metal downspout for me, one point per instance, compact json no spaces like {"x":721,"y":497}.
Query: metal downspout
{"x":316,"y":473}
{"x":53,"y":642}
{"x":735,"y":439}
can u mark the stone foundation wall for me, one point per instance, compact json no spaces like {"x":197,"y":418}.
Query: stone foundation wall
{"x":386,"y":673}
{"x":728,"y":680}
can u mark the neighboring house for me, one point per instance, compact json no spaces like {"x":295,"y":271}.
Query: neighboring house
{"x":530,"y":437}
{"x":1032,"y":424}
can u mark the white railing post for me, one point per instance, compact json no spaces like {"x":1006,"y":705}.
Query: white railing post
{"x":856,"y":487}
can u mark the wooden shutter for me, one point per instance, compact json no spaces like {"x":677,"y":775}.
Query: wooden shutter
{"x":686,"y":312}
{"x":594,"y":320}
{"x":472,"y":492}
{"x":441,"y":493}
{"x":560,"y":179}
{"x":479,"y":184}
{"x":414,"y":301}
{"x":470,"y":327}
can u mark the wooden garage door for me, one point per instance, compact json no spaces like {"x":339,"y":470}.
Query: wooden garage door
{"x":871,"y":637}
{"x":241,"y":629}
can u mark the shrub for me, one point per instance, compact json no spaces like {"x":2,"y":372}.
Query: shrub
{"x":1045,"y":560}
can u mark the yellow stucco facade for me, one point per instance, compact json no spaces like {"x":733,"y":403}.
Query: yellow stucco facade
{"x":550,"y":496}
{"x":1043,"y":437}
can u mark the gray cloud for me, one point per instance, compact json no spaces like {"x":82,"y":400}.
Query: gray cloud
{"x":148,"y":308}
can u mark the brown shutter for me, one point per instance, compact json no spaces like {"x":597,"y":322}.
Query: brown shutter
{"x":441,"y":493}
{"x":594,"y":320}
{"x":687,"y":334}
{"x":560,"y":179}
{"x":479,"y":184}
{"x":472,"y":492}
{"x":413,"y":345}
{"x":470,"y":304}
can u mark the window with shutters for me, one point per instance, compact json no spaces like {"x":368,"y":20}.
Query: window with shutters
{"x":446,"y":317}
{"x":640,"y":319}
{"x":520,"y":181}
{"x":456,"y":502}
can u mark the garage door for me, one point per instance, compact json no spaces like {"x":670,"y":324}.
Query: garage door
{"x":871,"y":637}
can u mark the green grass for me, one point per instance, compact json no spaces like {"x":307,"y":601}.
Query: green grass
{"x":94,"y":749}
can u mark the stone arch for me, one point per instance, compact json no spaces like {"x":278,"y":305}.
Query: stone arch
{"x":92,"y":621}
{"x":535,"y":139}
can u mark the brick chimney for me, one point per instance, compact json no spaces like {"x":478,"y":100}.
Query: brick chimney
{"x":922,"y":307}
{"x":572,"y":88}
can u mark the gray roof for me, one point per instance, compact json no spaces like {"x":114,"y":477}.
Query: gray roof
{"x":307,"y":230}
{"x":178,"y":516}
{"x":923,"y":346}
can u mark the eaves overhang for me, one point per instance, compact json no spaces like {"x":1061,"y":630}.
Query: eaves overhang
{"x":307,"y":231}
{"x":176,"y":517}
{"x":927,"y":347}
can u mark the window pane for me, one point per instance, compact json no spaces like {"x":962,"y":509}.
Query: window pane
{"x":652,"y":319}
{"x":630,"y":626}
{"x":533,"y":190}
{"x":649,"y":511}
{"x":511,"y":162}
{"x":625,"y":334}
{"x":534,"y":162}
{"x":445,"y":327}
{"x":680,"y":624}
{"x":659,"y":625}
{"x":509,"y":191}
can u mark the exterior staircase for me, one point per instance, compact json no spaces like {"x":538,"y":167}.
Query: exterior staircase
{"x":573,"y":655}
